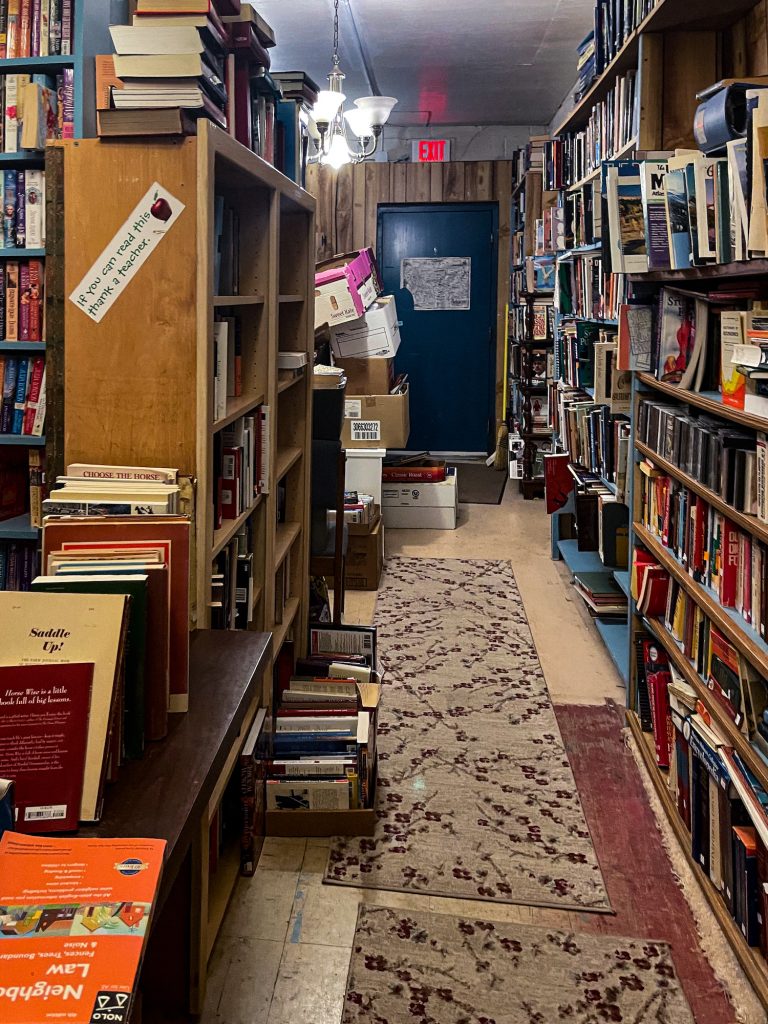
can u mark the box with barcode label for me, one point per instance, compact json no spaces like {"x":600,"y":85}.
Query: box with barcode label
{"x":376,"y":421}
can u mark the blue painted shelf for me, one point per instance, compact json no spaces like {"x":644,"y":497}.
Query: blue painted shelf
{"x":21,"y":254}
{"x":39,"y":63}
{"x":622,"y":578}
{"x":18,"y":528}
{"x":616,"y":638}
{"x":579,"y":561}
{"x":25,"y":156}
{"x":22,"y":346}
{"x":22,"y":439}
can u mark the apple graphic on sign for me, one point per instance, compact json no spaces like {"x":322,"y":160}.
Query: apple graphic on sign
{"x":161,"y":209}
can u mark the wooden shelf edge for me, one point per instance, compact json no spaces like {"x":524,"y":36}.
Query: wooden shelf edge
{"x":224,"y":535}
{"x":746,"y":419}
{"x":290,"y":298}
{"x":222,"y":885}
{"x":736,"y":634}
{"x":238,"y":300}
{"x":734,"y":736}
{"x":286,"y":458}
{"x":285,"y":536}
{"x":756,"y":267}
{"x":750,"y":959}
{"x":236,"y":408}
{"x":751,"y":524}
{"x":280,"y":630}
{"x":283,"y":385}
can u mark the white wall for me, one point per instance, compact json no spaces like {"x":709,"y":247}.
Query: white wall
{"x":468,"y":142}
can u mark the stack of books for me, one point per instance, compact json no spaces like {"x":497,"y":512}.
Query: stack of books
{"x":254,"y":93}
{"x":168,"y":70}
{"x":294,"y":112}
{"x":586,"y":66}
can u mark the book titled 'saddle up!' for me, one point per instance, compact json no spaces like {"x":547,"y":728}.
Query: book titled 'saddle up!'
{"x":74,"y":917}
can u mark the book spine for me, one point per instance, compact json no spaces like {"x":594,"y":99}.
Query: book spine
{"x":37,"y":427}
{"x":12,"y":300}
{"x":12,"y":33}
{"x":11,"y":125}
{"x":21,"y":210}
{"x":54,"y":28}
{"x":426,"y":474}
{"x":2,"y":303}
{"x":45,"y":37}
{"x":3,"y":29}
{"x":36,"y":14}
{"x":33,"y":398}
{"x":20,"y":397}
{"x":25,"y":11}
{"x":24,"y":298}
{"x":729,"y":554}
{"x":68,"y":104}
{"x":35,"y":300}
{"x":34,"y":209}
{"x":35,"y":487}
{"x":66,"y":27}
{"x":761,"y":467}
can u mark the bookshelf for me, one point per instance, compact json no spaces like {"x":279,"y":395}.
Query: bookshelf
{"x":138,"y":387}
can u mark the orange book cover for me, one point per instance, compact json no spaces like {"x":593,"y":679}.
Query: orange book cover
{"x":74,"y":917}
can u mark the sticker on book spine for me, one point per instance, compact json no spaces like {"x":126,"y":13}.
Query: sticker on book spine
{"x":365,"y":430}
{"x":144,"y":229}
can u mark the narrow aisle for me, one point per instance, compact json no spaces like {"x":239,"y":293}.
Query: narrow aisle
{"x":285,"y":949}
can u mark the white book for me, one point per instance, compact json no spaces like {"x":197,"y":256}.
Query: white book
{"x":45,"y":31}
{"x":155,"y":39}
{"x":34,"y":209}
{"x":11,"y":129}
{"x":310,"y":795}
{"x":37,"y":426}
{"x":266,"y":449}
{"x":318,"y":723}
{"x":338,"y":670}
{"x":146,"y":474}
{"x":64,"y":506}
{"x":220,"y":335}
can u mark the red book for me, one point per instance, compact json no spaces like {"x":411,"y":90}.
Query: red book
{"x":33,"y":396}
{"x":723,"y":675}
{"x":35,"y":300}
{"x":729,"y":577}
{"x":653,"y":592}
{"x":44,"y":711}
{"x":315,"y":712}
{"x":658,"y":677}
{"x":418,"y":474}
{"x":24,"y":298}
{"x":558,"y":481}
{"x":25,"y":28}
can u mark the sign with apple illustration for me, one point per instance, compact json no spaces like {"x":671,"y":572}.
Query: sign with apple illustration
{"x":134,"y":242}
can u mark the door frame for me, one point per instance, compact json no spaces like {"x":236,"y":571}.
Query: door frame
{"x":495,"y":381}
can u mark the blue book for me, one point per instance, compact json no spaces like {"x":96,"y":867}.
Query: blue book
{"x":20,"y":397}
{"x":21,"y":209}
{"x":9,"y":209}
{"x":677,"y":219}
{"x":9,"y":394}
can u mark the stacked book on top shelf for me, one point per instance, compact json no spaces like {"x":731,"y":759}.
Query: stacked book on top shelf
{"x":615,"y":21}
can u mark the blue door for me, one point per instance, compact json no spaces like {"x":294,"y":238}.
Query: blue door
{"x":440,"y":262}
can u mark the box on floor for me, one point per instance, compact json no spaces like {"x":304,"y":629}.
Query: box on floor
{"x":377,"y":333}
{"x":345,"y":286}
{"x":363,"y":473}
{"x":365,"y":556}
{"x":380,"y":420}
{"x":421,"y":506}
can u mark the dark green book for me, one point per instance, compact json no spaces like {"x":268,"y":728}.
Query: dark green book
{"x":135,"y":586}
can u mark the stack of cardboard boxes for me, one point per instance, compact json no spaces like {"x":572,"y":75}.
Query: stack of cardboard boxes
{"x":365,"y":337}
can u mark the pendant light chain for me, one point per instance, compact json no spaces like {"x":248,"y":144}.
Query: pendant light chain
{"x":336,"y":33}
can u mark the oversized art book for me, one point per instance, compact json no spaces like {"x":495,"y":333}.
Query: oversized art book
{"x":74,"y":917}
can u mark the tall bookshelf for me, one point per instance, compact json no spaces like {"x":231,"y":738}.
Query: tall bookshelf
{"x":91,"y":20}
{"x":138,"y":387}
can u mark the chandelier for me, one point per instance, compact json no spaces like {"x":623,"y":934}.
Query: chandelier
{"x":366,"y":122}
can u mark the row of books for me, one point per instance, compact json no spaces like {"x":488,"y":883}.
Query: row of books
{"x":22,"y":300}
{"x":718,"y":798}
{"x":591,"y":435}
{"x":19,"y":564}
{"x":36,"y":28}
{"x":36,"y":108}
{"x":22,"y":385}
{"x":611,"y":128}
{"x":241,"y":464}
{"x":722,"y":558}
{"x":601,"y":518}
{"x":323,"y":755}
{"x":586,"y":356}
{"x":227,"y":363}
{"x":24,"y":211}
{"x":728,"y":460}
{"x":233,"y":587}
{"x":615,"y":21}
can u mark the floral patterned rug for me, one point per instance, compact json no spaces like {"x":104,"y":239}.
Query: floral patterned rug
{"x":476,"y":797}
{"x":409,"y":966}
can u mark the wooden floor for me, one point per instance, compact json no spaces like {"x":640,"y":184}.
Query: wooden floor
{"x":284,"y":951}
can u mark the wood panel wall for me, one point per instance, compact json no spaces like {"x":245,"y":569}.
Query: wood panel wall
{"x":745,"y":50}
{"x":348,"y":201}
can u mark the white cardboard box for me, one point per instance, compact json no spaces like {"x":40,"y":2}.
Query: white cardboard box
{"x":417,"y":506}
{"x":363,"y":472}
{"x":375,"y":334}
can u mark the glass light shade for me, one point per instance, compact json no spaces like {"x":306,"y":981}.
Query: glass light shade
{"x":378,"y":108}
{"x":338,"y":154}
{"x":327,"y":105}
{"x":359,"y":122}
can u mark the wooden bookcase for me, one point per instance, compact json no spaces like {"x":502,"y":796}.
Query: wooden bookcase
{"x":137,"y":388}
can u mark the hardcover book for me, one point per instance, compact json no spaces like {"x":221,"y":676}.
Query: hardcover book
{"x":44,"y":711}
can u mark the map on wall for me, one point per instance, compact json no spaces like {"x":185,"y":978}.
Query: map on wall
{"x":440,"y":283}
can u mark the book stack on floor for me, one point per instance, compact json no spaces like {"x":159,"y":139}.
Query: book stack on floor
{"x":169,"y":69}
{"x":323,"y":745}
{"x":420,"y":494}
{"x":364,"y":560}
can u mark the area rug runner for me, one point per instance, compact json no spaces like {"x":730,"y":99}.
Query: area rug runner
{"x":480,"y":484}
{"x":476,"y":797}
{"x":410,"y":966}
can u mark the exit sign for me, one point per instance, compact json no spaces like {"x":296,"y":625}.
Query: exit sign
{"x":430,"y":151}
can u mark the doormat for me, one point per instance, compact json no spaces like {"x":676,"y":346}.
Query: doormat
{"x":476,"y":797}
{"x":480,"y":484}
{"x":409,"y":965}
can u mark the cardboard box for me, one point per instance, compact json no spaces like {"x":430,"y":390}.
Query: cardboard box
{"x":363,"y":472}
{"x":365,"y":557}
{"x":373,"y":376}
{"x":422,"y":506}
{"x":376,"y":421}
{"x":375,"y":334}
{"x":345,"y":287}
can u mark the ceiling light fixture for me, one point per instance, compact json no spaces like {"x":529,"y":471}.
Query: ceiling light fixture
{"x":366,"y":122}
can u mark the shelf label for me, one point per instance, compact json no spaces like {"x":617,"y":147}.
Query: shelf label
{"x":146,"y":226}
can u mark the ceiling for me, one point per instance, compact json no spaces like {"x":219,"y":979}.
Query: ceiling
{"x":504,"y":62}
